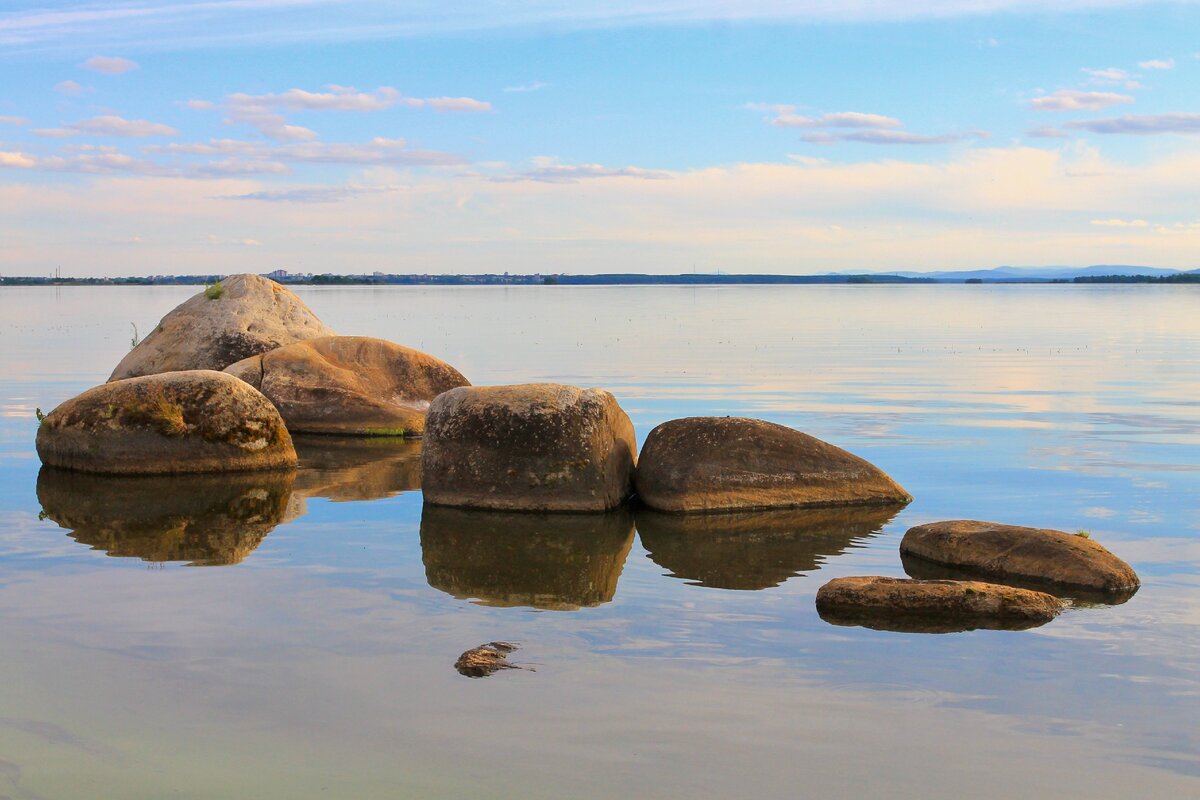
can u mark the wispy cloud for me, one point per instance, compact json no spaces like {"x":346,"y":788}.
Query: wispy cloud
{"x":547,"y":169}
{"x":110,"y":125}
{"x":109,"y":65}
{"x":1111,"y":76}
{"x":532,"y":86}
{"x":1158,"y":63}
{"x":785,"y":116}
{"x":377,"y":151}
{"x":70,"y":88}
{"x":1075,"y":100}
{"x":313,"y":194}
{"x":1047,"y":132}
{"x":1141,"y":125}
{"x":94,"y":161}
{"x":10,"y":120}
{"x":890,"y":137}
{"x":858,"y":126}
{"x":1121,"y":223}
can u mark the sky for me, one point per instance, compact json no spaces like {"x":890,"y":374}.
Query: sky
{"x":142,"y":137}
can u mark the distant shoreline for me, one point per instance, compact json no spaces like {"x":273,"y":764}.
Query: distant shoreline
{"x":614,"y":279}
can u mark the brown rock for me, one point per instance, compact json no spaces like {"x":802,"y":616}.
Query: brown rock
{"x":205,"y":520}
{"x":557,"y":562}
{"x":251,"y":316}
{"x":755,"y":549}
{"x":343,"y":468}
{"x":701,"y":464}
{"x":479,"y":662}
{"x":349,"y":385}
{"x":932,"y":606}
{"x":1003,"y":552}
{"x":536,"y":447}
{"x":176,"y":422}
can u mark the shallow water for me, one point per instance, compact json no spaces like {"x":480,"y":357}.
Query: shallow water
{"x":295,"y":637}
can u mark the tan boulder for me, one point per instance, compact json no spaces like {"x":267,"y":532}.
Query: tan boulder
{"x":176,"y":422}
{"x":507,"y":559}
{"x":349,"y":385}
{"x":704,"y":464}
{"x":205,"y":520}
{"x":536,"y":447}
{"x":904,"y":604}
{"x":251,"y":315}
{"x":1003,"y":552}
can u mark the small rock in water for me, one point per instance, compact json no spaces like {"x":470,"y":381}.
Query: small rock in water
{"x":481,"y":661}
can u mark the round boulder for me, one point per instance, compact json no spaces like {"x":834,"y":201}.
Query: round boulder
{"x":1004,"y":552}
{"x":176,"y":422}
{"x":349,"y":385}
{"x":903,"y":604}
{"x":245,"y":316}
{"x":701,"y":464}
{"x":535,"y":447}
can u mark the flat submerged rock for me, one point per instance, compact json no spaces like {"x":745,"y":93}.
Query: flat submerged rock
{"x":1011,"y":552}
{"x":904,"y":604}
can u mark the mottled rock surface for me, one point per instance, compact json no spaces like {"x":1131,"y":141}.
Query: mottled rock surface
{"x":479,"y":662}
{"x":175,"y":422}
{"x":904,"y":604}
{"x":251,"y":316}
{"x":350,"y":385}
{"x":704,"y":464}
{"x":533,"y":447}
{"x":1000,"y":552}
{"x":204,"y":520}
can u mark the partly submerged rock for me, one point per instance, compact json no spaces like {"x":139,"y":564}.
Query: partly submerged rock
{"x":211,"y":330}
{"x":508,"y":559}
{"x":703,"y":464}
{"x":350,"y":385}
{"x":205,"y":520}
{"x":176,"y":422}
{"x":1010,"y":552}
{"x":903,"y":604}
{"x":535,"y":447}
{"x":479,"y":662}
{"x":346,"y":468}
{"x":755,"y":549}
{"x":916,"y":567}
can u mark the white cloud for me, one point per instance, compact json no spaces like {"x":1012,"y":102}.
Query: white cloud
{"x":1074,"y":100}
{"x":1047,"y":132}
{"x":1158,"y":63}
{"x":240,"y":166}
{"x":1121,"y":223}
{"x":70,"y":88}
{"x":112,"y":125}
{"x":532,"y":86}
{"x":109,"y":65}
{"x":1142,"y":125}
{"x":18,"y":160}
{"x":547,"y":169}
{"x":453,"y":104}
{"x":11,"y":120}
{"x":1110,"y":74}
{"x":199,"y":105}
{"x":785,"y":116}
{"x":314,"y":194}
{"x":379,"y":150}
{"x":98,"y":161}
{"x":890,"y":137}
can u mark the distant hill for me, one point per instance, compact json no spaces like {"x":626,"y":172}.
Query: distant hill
{"x":1038,"y":274}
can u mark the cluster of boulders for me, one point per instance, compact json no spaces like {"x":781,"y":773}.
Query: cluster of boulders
{"x":228,"y":376}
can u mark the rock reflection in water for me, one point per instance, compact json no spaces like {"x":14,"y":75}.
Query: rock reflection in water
{"x":352,"y":468}
{"x":205,"y":520}
{"x":880,"y":620}
{"x":916,"y":567}
{"x":755,"y":549}
{"x":544,"y":561}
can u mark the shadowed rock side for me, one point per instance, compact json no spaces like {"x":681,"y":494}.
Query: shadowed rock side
{"x":1010,"y":552}
{"x":355,"y":468}
{"x":177,"y":422}
{"x":702,"y":464}
{"x":251,"y":316}
{"x":755,"y":549}
{"x":350,"y":385}
{"x":914,"y":606}
{"x":548,"y":561}
{"x":205,"y":520}
{"x":536,"y":447}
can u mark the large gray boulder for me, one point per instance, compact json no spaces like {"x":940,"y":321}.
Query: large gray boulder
{"x":350,"y":385}
{"x":1010,"y":552}
{"x":704,"y":464}
{"x":176,"y":422}
{"x":251,"y":315}
{"x":535,"y":447}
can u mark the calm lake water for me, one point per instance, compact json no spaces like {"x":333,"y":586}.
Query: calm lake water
{"x":295,"y":637}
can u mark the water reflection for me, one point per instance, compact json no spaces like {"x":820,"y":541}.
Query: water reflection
{"x":1080,"y":597}
{"x":546,"y":561}
{"x":757,"y":549}
{"x":345,"y":468}
{"x":882,"y":620}
{"x":205,"y":520}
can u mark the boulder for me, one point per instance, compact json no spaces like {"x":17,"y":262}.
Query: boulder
{"x":536,"y":447}
{"x":204,"y":520}
{"x":479,"y":662}
{"x":349,"y":385}
{"x":554,"y":562}
{"x":704,"y":464}
{"x":211,"y":330}
{"x":343,"y":468}
{"x":904,"y":604}
{"x":1004,"y":552}
{"x":755,"y":549}
{"x":176,"y":422}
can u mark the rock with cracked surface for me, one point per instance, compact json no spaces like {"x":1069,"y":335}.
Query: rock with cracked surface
{"x":533,"y":447}
{"x":172,"y":423}
{"x":350,"y":385}
{"x":250,"y":316}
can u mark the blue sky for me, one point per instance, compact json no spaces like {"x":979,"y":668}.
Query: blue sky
{"x":635,"y":135}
